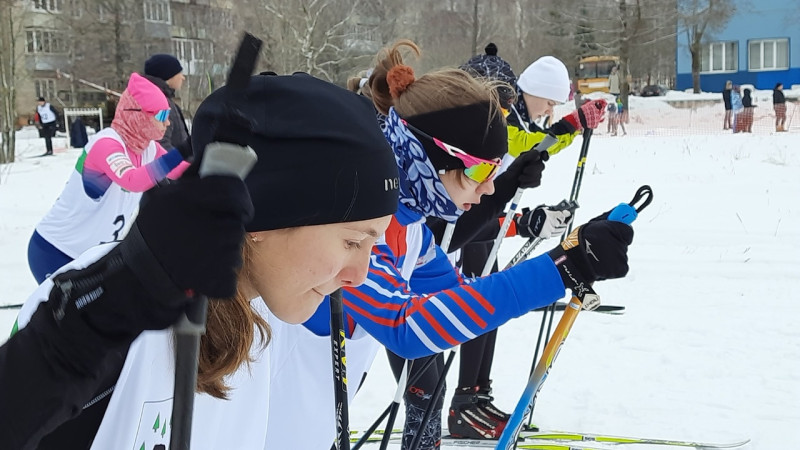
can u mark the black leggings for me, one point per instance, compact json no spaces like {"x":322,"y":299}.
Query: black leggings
{"x":477,"y":355}
{"x":417,"y":399}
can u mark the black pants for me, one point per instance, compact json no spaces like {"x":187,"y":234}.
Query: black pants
{"x":418,"y":398}
{"x":477,"y":355}
{"x":48,"y":131}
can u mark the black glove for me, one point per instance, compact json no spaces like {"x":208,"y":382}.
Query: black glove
{"x":527,"y":169}
{"x":597,"y":250}
{"x":544,"y":221}
{"x":186,"y":239}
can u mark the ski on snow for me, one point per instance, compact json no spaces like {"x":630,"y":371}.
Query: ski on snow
{"x":563,"y":440}
{"x":448,"y":442}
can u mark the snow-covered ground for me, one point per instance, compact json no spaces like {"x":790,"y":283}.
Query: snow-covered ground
{"x":709,"y":347}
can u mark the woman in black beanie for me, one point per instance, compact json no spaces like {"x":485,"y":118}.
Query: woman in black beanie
{"x":319,"y":198}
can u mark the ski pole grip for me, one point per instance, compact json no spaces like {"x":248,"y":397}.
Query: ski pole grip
{"x":624,"y":213}
{"x":226,"y":159}
{"x":628,"y":212}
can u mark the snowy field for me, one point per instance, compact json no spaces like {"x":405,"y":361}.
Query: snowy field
{"x":709,"y":347}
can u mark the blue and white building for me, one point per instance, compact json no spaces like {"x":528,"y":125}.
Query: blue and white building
{"x":760,"y":45}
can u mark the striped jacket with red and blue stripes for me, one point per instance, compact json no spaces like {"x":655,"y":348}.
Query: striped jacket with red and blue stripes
{"x":416,"y":304}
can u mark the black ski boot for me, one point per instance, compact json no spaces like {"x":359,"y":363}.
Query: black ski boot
{"x":466,"y":418}
{"x":485,"y":400}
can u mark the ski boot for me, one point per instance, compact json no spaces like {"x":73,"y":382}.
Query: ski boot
{"x":467,"y":419}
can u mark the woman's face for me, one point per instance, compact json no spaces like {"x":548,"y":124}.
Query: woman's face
{"x":464,"y":191}
{"x":538,"y":106}
{"x":160,"y":126}
{"x":294,"y":269}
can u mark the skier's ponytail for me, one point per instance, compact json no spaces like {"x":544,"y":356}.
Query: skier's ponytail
{"x":393,"y":83}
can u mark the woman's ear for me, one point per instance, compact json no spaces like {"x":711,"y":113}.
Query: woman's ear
{"x":255,"y":237}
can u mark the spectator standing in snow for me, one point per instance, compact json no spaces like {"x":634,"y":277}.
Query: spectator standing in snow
{"x":727,"y":124}
{"x":613,"y":82}
{"x":779,"y":105}
{"x":622,"y":115}
{"x":746,"y":116}
{"x":736,"y":106}
{"x":48,"y":119}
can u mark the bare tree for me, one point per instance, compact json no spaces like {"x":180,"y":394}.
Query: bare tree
{"x":306,"y":35}
{"x":699,"y":19}
{"x":9,"y":32}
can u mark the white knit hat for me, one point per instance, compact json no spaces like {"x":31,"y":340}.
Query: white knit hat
{"x":547,"y":77}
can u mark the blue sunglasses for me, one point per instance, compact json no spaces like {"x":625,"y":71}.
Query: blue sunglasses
{"x":160,"y":116}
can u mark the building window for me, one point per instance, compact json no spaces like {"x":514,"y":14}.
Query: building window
{"x":769,"y":54}
{"x":155,"y":11}
{"x":76,"y":8}
{"x":45,"y":88}
{"x":48,"y":5}
{"x":191,"y":52}
{"x":720,"y":57}
{"x":45,"y":41}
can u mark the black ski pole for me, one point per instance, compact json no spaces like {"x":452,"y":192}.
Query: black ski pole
{"x":339,"y":372}
{"x":437,"y":392}
{"x":192,"y":325}
{"x":573,"y":197}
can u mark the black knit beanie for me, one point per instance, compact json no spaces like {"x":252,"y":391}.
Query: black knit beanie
{"x":466,"y":127}
{"x":491,"y":49}
{"x":321,"y":155}
{"x":162,"y":66}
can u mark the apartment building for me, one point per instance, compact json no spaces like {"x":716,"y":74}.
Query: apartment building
{"x":103,"y":41}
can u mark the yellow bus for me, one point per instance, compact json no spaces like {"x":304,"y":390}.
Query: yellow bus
{"x":593,"y":72}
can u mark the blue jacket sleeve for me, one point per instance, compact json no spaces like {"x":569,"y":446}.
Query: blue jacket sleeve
{"x":414,"y":325}
{"x":433,"y":271}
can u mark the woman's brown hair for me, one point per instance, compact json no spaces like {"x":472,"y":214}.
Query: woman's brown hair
{"x":393,"y":84}
{"x":231,"y":327}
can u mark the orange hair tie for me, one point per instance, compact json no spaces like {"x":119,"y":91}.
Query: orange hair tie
{"x":399,"y":78}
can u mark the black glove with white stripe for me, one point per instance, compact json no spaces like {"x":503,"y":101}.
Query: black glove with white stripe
{"x":545,"y":221}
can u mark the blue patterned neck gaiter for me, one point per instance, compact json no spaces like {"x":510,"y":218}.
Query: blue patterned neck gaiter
{"x":421,"y":190}
{"x":522,"y":108}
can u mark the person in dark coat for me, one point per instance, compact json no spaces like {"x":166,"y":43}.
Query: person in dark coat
{"x":747,"y":114}
{"x":77,"y":134}
{"x":166,"y":72}
{"x":779,"y":105}
{"x":726,"y":99}
{"x":48,"y":119}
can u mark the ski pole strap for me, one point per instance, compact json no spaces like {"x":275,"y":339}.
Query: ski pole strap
{"x":627,"y":212}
